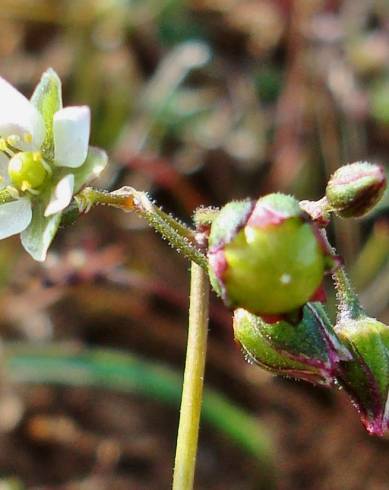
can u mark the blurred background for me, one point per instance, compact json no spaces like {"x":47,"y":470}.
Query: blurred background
{"x":197,"y":102}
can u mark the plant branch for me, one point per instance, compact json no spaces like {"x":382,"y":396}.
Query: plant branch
{"x":180,"y":236}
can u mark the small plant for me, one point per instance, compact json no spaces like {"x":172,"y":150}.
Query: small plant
{"x":266,"y":259}
{"x":45,"y":159}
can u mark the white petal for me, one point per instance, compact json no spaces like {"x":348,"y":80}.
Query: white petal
{"x":71,"y":136}
{"x":15,"y":216}
{"x":19,"y":117}
{"x":4,"y":178}
{"x":62,"y":195}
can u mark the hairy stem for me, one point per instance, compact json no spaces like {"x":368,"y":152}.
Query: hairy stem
{"x":192,"y":392}
{"x":349,"y":305}
{"x":180,"y":236}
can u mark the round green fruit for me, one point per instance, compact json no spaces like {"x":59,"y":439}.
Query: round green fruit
{"x":271,"y":262}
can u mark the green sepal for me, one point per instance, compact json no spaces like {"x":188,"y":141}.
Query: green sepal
{"x":227,"y":223}
{"x":366,"y":376}
{"x":94,"y":164}
{"x":258,"y":349}
{"x":231,"y":218}
{"x":37,"y":237}
{"x":310,"y":338}
{"x":47,"y":98}
{"x":284,"y":205}
{"x":309,"y":350}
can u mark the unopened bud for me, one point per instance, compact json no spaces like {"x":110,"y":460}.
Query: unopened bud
{"x":354,"y":189}
{"x":265,"y":256}
{"x":309,"y":350}
{"x":366,"y":376}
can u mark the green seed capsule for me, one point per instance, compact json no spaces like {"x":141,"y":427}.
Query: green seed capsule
{"x":265,"y":256}
{"x":27,"y":170}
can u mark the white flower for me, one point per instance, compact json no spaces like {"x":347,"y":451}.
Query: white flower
{"x":42,"y":150}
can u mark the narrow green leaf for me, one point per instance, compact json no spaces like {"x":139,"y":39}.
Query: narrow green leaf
{"x":47,"y":98}
{"x":37,"y":238}
{"x":119,"y":371}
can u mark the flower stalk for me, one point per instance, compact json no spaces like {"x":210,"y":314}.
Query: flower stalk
{"x":192,"y":392}
{"x":180,"y":236}
{"x":349,"y":306}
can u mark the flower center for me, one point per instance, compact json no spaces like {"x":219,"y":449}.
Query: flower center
{"x":27,"y":171}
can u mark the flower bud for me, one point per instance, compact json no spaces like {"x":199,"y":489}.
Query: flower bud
{"x":366,"y":376}
{"x":309,"y":350}
{"x":354,"y":189}
{"x":266,"y":256}
{"x":27,"y":170}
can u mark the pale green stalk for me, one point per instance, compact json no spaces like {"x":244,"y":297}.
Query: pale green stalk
{"x":192,"y":392}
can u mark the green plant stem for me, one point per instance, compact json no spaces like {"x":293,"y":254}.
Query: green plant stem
{"x":180,"y":236}
{"x":192,"y":391}
{"x":349,"y":306}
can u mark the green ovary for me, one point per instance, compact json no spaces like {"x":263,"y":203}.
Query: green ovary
{"x":273,"y":270}
{"x":27,"y":170}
